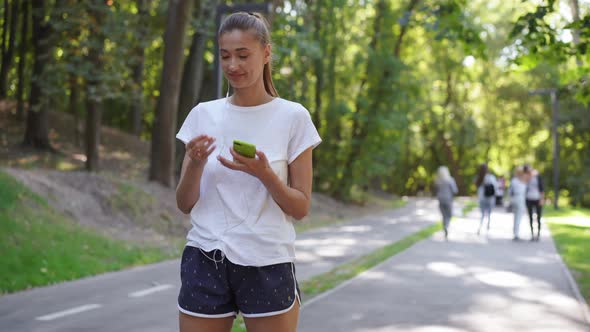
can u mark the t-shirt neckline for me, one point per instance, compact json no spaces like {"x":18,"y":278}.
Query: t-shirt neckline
{"x":250,"y":108}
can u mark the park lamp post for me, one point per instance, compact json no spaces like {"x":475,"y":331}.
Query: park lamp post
{"x":223,"y":10}
{"x":554,"y":105}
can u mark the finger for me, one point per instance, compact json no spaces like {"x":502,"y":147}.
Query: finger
{"x":210,"y":150}
{"x":227,"y":163}
{"x":262,"y":156}
{"x":238,"y":156}
{"x":208,"y":142}
{"x":195,"y":141}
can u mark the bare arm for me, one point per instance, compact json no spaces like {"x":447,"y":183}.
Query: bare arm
{"x":188,"y":189}
{"x":295,"y":199}
{"x":195,"y":158}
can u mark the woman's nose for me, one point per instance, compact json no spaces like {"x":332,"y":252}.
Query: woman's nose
{"x":232,"y":64}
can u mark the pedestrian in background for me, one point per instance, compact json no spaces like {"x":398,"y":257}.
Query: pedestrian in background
{"x":518,"y":186}
{"x":486,"y":194}
{"x":446,"y":188}
{"x":535,"y":194}
{"x":500,"y":192}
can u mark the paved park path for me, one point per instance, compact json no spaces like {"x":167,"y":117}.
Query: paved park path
{"x":469,"y":283}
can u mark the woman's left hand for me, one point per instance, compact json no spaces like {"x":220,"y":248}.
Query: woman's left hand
{"x":257,"y":167}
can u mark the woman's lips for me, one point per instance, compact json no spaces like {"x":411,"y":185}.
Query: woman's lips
{"x":235,"y":76}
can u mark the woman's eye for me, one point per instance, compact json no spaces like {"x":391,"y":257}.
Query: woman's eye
{"x":224,"y":57}
{"x":243,"y":57}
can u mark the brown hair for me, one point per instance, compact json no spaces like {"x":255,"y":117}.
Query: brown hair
{"x":483,"y":170}
{"x":259,"y":25}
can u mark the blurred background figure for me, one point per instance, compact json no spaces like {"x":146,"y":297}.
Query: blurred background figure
{"x":486,"y":193}
{"x":446,"y":188}
{"x":535,"y":194}
{"x":500,"y":191}
{"x":517,"y":198}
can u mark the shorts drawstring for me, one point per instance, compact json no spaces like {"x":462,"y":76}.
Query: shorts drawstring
{"x":214,"y":254}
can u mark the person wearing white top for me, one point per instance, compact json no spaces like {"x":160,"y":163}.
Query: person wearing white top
{"x":518,"y":186}
{"x":240,"y":251}
{"x":486,"y":194}
{"x":446,"y":188}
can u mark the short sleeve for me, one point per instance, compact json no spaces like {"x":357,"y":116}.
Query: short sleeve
{"x":188,"y":130}
{"x":303,"y":134}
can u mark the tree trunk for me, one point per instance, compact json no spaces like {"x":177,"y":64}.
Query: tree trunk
{"x":22,"y":60}
{"x":138,"y":70}
{"x":8,"y":55}
{"x":93,"y":119}
{"x":5,"y":28}
{"x":36,"y":132}
{"x":192,"y":77}
{"x":162,"y":150}
{"x":318,"y":65}
{"x":575,"y":6}
{"x":73,"y":106}
{"x":93,"y":96}
{"x":319,"y":83}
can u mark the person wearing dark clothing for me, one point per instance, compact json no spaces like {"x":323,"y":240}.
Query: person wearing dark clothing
{"x":535,"y":194}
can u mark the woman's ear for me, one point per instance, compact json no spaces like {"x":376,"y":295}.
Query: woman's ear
{"x":267,"y":53}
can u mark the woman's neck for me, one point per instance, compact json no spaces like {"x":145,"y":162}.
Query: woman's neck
{"x":250,"y":97}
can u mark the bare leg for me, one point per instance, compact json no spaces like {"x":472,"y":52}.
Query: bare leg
{"x":189,"y":323}
{"x":286,"y":322}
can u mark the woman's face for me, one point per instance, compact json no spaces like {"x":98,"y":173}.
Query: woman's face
{"x":242,"y":58}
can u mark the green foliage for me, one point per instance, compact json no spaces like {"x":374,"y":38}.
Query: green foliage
{"x":395,"y":88}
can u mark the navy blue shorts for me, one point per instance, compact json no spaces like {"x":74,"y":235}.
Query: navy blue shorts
{"x":214,"y":287}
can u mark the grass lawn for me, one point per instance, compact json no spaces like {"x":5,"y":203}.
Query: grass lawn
{"x":40,"y":246}
{"x":549,"y":211}
{"x":573,"y":243}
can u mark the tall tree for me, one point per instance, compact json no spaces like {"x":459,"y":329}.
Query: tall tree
{"x":8,"y":51}
{"x":22,"y":58}
{"x":194,"y":69}
{"x":162,"y":151}
{"x":36,"y":131}
{"x":137,"y":68}
{"x":97,"y":12}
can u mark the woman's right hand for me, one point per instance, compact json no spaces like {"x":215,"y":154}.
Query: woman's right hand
{"x":200,"y":148}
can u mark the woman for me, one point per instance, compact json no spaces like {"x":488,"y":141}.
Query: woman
{"x":446,"y":188}
{"x":240,"y":250}
{"x":518,"y":186}
{"x":535,"y":195}
{"x":486,"y":189}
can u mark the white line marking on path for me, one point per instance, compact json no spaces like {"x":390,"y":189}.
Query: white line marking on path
{"x":150,"y":290}
{"x":71,"y":311}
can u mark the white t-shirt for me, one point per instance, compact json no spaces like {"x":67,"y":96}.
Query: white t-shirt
{"x":517,"y":191}
{"x":235,"y":213}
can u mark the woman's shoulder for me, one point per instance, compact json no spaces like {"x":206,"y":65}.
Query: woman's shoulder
{"x":291,"y":106}
{"x":209,"y":105}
